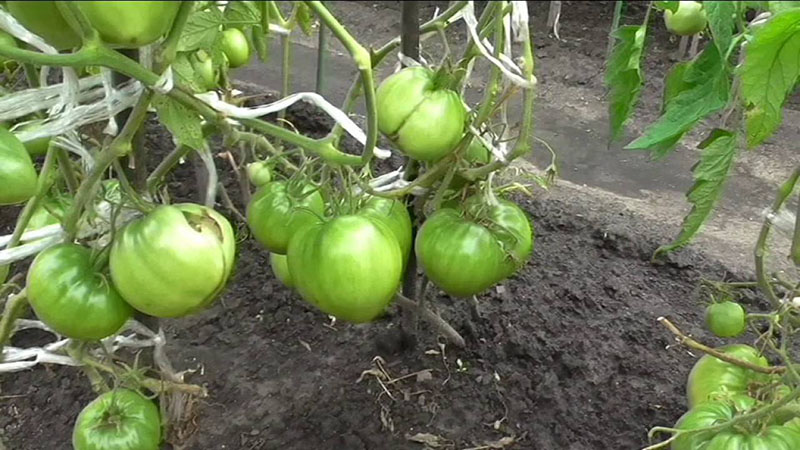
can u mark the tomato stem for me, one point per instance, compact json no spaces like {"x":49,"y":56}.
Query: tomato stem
{"x":12,"y":311}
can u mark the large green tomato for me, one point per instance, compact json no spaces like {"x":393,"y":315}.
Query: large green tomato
{"x":425,"y":121}
{"x":118,"y":420}
{"x":17,"y":174}
{"x":726,"y":319}
{"x":466,"y":252}
{"x":771,"y":437}
{"x":72,"y":297}
{"x":45,"y":20}
{"x":280,"y":267}
{"x":236,"y":48}
{"x":395,"y":215}
{"x":174,"y":261}
{"x":689,"y":19}
{"x":130,"y":24}
{"x":348,"y":267}
{"x":278,"y":209}
{"x":712,"y":375}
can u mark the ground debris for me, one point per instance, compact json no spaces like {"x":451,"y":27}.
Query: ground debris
{"x":430,"y":440}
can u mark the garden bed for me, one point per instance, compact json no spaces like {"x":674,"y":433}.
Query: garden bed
{"x":566,"y":355}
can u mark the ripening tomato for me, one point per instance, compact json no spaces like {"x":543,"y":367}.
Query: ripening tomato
{"x":118,"y":420}
{"x":348,"y":267}
{"x":425,"y":120}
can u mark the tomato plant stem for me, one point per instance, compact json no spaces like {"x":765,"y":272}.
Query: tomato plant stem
{"x":691,"y":343}
{"x":322,"y":44}
{"x":12,"y":311}
{"x":286,"y":72}
{"x":795,"y":250}
{"x":433,"y":319}
{"x":784,"y":192}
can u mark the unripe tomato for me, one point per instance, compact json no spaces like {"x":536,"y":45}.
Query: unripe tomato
{"x":174,"y":261}
{"x":278,"y":209}
{"x":689,"y":19}
{"x":395,"y":215}
{"x":259,"y":173}
{"x":130,"y":24}
{"x":726,"y":319}
{"x":45,"y":20}
{"x":476,"y":154}
{"x":348,"y":267}
{"x":710,"y":375}
{"x":118,"y":420}
{"x":236,"y":48}
{"x":204,"y":68}
{"x":425,"y":121}
{"x":280,"y":267}
{"x":468,"y":250}
{"x":17,"y":174}
{"x":72,"y":297}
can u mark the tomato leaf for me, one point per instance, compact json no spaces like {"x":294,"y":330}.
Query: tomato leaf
{"x":185,"y":75}
{"x":241,"y":14}
{"x":304,"y":18}
{"x":722,"y":21}
{"x":706,"y":90}
{"x":710,"y":173}
{"x":674,"y":83}
{"x":183,"y":123}
{"x":624,"y":76}
{"x":665,"y":5}
{"x":201,"y":30}
{"x":769,"y":74}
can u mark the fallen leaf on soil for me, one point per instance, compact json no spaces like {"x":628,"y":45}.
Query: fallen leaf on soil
{"x":430,"y":440}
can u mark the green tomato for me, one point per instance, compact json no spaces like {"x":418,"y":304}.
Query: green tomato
{"x":425,"y":122}
{"x":771,"y":437}
{"x":689,"y":19}
{"x":711,"y":375}
{"x":236,"y":48}
{"x":17,"y":174}
{"x":349,"y":267}
{"x":174,"y":261}
{"x":394,"y":214}
{"x":476,"y":155}
{"x":44,"y":19}
{"x":118,"y":420}
{"x":278,"y":209}
{"x":72,"y":297}
{"x":259,"y":173}
{"x":130,"y":24}
{"x":466,"y":252}
{"x":726,"y":319}
{"x":280,"y":267}
{"x":7,"y":40}
{"x":204,"y":69}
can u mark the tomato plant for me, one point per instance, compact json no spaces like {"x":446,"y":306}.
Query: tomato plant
{"x":118,"y":420}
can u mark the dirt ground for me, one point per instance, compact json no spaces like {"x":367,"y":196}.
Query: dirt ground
{"x":566,"y":356}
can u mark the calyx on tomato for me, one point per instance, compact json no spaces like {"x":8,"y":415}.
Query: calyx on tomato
{"x":726,"y":319}
{"x":118,"y":420}
{"x":174,"y":261}
{"x":280,"y":267}
{"x":236,"y":48}
{"x":348,"y":267}
{"x":73,"y":297}
{"x":712,"y":375}
{"x":280,"y":208}
{"x":465,"y":251}
{"x":17,"y":174}
{"x":690,"y":18}
{"x":423,"y":119}
{"x":130,"y":24}
{"x":754,"y":436}
{"x":44,"y":19}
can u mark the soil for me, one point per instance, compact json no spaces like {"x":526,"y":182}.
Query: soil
{"x":567,"y":354}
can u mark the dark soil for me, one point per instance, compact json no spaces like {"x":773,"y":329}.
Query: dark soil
{"x":567,"y":355}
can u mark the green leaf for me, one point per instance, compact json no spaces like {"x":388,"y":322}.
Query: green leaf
{"x":769,"y":74}
{"x":240,"y":14}
{"x":722,"y":22}
{"x":624,"y":76}
{"x":201,"y":30}
{"x":304,"y":18}
{"x":776,"y":7}
{"x":707,"y":91}
{"x":260,"y":43}
{"x":664,"y":5}
{"x":716,"y":160}
{"x":674,"y":84}
{"x":182,"y":122}
{"x":185,"y":75}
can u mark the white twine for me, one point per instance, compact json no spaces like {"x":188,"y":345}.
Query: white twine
{"x":165,"y":82}
{"x":212,"y":99}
